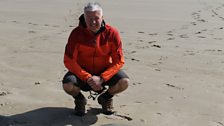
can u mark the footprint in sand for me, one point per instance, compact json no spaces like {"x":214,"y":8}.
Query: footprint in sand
{"x":197,"y":17}
{"x":136,"y":83}
{"x":142,"y":47}
{"x":201,"y":36}
{"x":214,"y":50}
{"x":37,"y":83}
{"x":30,"y":23}
{"x":184,"y":36}
{"x":57,"y":26}
{"x":193,"y":23}
{"x":141,"y":32}
{"x":133,"y":51}
{"x":140,"y":40}
{"x":158,"y":113}
{"x":4,"y":92}
{"x":153,"y":34}
{"x":218,"y":38}
{"x":114,"y":124}
{"x":217,"y":15}
{"x":133,"y":59}
{"x":198,"y":32}
{"x":219,"y":123}
{"x":121,"y":106}
{"x":157,"y":46}
{"x":189,"y":52}
{"x":170,"y":38}
{"x":15,"y":22}
{"x":129,"y":52}
{"x":119,"y":116}
{"x":170,"y":34}
{"x":173,"y":86}
{"x":150,"y":42}
{"x":214,"y":13}
{"x":32,"y":32}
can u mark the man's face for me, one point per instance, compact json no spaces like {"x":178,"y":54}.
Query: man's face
{"x":93,"y":20}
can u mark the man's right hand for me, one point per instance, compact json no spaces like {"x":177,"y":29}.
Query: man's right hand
{"x":95,"y":83}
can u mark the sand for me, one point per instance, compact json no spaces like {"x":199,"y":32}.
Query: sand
{"x":173,"y":51}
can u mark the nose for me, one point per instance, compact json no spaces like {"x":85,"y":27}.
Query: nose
{"x":93,"y":21}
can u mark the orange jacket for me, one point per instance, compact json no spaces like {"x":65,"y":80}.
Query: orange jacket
{"x":87,"y":54}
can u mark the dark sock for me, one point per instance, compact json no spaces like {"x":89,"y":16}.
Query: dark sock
{"x":79,"y":96}
{"x":107,"y":95}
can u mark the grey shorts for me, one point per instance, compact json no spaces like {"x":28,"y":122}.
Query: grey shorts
{"x":72,"y":78}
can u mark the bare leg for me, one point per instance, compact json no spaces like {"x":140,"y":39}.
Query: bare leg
{"x":70,"y":89}
{"x":80,"y":100}
{"x":121,"y":85}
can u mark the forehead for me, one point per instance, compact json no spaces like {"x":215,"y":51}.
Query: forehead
{"x":96,"y":13}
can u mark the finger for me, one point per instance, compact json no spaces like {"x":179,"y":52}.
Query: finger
{"x":89,"y":80}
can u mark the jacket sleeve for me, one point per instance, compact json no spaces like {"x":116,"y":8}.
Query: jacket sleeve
{"x":70,"y":58}
{"x":117,"y":58}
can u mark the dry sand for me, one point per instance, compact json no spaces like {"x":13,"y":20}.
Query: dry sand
{"x":174,"y":53}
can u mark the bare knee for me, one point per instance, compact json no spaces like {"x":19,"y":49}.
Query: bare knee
{"x":123,"y":83}
{"x":71,"y":89}
{"x":119,"y":87}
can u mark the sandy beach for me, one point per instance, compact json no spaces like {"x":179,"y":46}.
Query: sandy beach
{"x":173,"y":55}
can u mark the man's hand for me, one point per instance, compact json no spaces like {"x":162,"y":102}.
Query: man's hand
{"x":95,"y":82}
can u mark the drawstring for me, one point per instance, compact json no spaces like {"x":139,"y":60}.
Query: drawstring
{"x":94,"y":95}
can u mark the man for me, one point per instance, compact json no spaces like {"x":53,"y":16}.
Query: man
{"x":93,"y":57}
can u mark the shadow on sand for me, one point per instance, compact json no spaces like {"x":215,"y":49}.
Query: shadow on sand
{"x":51,"y":116}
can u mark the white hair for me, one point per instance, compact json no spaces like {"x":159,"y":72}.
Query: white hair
{"x":93,"y":7}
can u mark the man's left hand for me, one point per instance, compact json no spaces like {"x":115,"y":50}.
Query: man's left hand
{"x":95,"y":83}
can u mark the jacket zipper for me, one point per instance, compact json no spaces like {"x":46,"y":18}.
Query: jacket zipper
{"x":94,"y":54}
